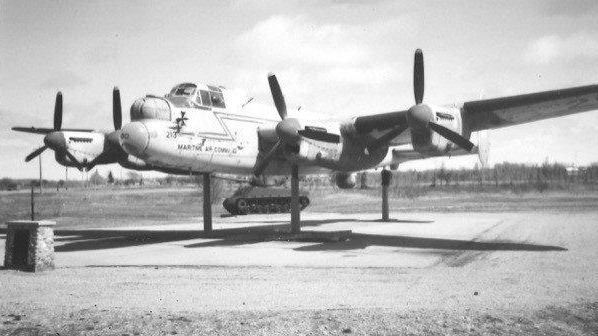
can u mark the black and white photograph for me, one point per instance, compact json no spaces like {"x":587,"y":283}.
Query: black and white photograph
{"x":313,"y":167}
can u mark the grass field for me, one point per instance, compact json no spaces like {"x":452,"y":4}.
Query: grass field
{"x":146,"y":206}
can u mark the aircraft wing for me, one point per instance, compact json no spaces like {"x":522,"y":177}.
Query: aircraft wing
{"x":41,"y":130}
{"x":520,"y":109}
{"x":392,"y":127}
{"x":382,"y":129}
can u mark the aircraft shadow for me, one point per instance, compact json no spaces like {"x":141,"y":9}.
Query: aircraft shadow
{"x":361,"y":241}
{"x":94,"y":239}
{"x":84,"y":239}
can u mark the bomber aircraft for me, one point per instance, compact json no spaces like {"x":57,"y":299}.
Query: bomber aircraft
{"x":196,"y":128}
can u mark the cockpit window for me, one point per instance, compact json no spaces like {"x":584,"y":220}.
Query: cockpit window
{"x":185,"y":90}
{"x":217,"y":99}
{"x":197,"y":99}
{"x":205,"y":97}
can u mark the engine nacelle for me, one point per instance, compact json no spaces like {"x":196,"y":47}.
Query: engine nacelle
{"x":345,"y":180}
{"x":430,"y":143}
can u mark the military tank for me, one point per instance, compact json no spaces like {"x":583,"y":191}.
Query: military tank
{"x":261,"y":200}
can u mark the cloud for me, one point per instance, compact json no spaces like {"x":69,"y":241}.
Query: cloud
{"x":571,"y":9}
{"x":552,"y":48}
{"x":62,"y":80}
{"x":102,"y":54}
{"x":298,"y":41}
{"x":325,"y":60}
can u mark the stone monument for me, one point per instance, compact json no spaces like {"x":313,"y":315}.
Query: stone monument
{"x":30,"y":245}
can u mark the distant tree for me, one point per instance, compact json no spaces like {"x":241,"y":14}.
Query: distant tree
{"x":132,"y":178}
{"x":444,"y":175}
{"x":110,"y":178}
{"x":169,"y":179}
{"x":7,"y":184}
{"x":96,"y":178}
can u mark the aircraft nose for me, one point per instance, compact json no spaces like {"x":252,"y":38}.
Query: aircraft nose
{"x":55,"y":140}
{"x":134,"y":138}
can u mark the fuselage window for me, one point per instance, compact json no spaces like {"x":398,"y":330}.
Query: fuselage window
{"x":217,"y":99}
{"x":205,"y":97}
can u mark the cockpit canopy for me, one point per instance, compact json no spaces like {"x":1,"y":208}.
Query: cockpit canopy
{"x":192,"y":95}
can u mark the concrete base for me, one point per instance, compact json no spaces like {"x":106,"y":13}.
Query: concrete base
{"x":29,"y":245}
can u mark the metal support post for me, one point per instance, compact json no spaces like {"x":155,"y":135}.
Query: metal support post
{"x":207,"y":204}
{"x":386,"y":177}
{"x":295,"y":218}
{"x":41,"y":188}
{"x":32,"y":203}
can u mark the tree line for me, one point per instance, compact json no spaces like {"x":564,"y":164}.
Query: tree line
{"x":510,"y":176}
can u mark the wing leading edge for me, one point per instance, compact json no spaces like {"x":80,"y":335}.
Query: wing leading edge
{"x":520,"y":109}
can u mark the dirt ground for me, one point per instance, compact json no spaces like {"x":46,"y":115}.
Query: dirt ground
{"x":427,"y":272}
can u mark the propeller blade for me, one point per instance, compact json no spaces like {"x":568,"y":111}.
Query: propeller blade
{"x":277,"y":96}
{"x":73,"y":158}
{"x":386,"y":138}
{"x":418,"y":76}
{"x":116,"y":109}
{"x":35,"y":153}
{"x":452,"y":136}
{"x":263,"y":163}
{"x":58,"y":112}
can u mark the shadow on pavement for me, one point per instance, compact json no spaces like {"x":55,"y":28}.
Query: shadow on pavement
{"x":361,"y":241}
{"x":97,"y":239}
{"x":69,"y":240}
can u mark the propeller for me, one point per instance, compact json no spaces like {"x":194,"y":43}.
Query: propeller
{"x":288,"y":132}
{"x":420,"y":117}
{"x":287,"y":129}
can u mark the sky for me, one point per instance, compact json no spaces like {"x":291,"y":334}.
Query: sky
{"x":335,"y":59}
